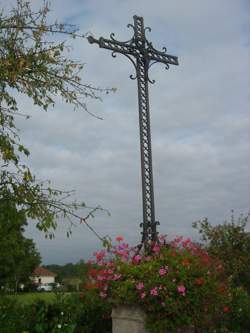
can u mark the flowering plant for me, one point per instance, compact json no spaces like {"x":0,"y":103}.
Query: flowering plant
{"x":177,"y":284}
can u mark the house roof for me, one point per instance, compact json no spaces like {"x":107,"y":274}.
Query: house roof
{"x":41,"y":271}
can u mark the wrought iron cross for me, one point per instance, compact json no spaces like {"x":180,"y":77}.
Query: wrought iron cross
{"x":143,"y":55}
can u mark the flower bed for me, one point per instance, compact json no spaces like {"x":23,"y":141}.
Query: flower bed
{"x":178,"y":284}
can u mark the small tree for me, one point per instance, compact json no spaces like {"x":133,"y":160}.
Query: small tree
{"x":18,"y":255}
{"x":229,"y":242}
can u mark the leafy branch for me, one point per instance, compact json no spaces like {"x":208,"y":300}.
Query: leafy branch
{"x":34,"y":63}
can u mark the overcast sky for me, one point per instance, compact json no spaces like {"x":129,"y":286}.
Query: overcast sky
{"x":199,"y":115}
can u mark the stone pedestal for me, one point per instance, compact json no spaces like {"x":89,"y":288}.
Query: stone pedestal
{"x":128,"y":319}
{"x":131,"y":319}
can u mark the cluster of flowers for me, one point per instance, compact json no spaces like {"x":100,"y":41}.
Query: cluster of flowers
{"x":177,"y":277}
{"x":107,"y":267}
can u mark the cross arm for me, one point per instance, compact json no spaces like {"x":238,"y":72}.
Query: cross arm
{"x":162,"y":57}
{"x":113,"y":45}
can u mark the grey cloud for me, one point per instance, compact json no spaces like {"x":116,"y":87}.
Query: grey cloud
{"x":199,"y":114}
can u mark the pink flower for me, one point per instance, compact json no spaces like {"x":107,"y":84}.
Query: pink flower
{"x":186,"y":242}
{"x":121,"y":252}
{"x":143,"y":295}
{"x":110,"y":271}
{"x":100,"y":255}
{"x":123,"y":246}
{"x":109,"y":264}
{"x":156,"y":248}
{"x":154,"y":291}
{"x":162,"y":271}
{"x":116,"y":277}
{"x":124,"y":258}
{"x":181,"y":289}
{"x":137,"y":259}
{"x":90,"y":262}
{"x":102,"y":294}
{"x":162,"y":239}
{"x":139,"y":286}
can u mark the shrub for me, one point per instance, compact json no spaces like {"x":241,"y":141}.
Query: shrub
{"x":75,"y":313}
{"x":230,"y":242}
{"x":238,"y":315}
{"x":12,"y":317}
{"x":178,"y":284}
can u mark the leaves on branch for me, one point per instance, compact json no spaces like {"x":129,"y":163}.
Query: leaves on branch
{"x":33,"y":63}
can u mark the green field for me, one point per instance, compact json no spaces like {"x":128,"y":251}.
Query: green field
{"x":27,"y":298}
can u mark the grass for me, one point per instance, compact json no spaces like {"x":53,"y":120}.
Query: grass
{"x":28,"y":298}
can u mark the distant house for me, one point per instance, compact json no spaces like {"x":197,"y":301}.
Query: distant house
{"x":42,"y":276}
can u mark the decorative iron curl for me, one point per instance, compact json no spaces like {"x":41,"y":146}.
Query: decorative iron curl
{"x":156,"y":62}
{"x":133,"y":76}
{"x":151,"y":81}
{"x":125,"y":43}
{"x":150,"y":65}
{"x":151,"y":48}
{"x":114,"y":55}
{"x":147,"y":28}
{"x":131,"y":59}
{"x":130,"y":25}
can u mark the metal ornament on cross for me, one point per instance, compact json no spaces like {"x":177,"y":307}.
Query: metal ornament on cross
{"x":143,"y":55}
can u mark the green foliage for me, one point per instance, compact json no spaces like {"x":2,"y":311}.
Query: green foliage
{"x":95,"y":316}
{"x":33,"y":63}
{"x":67,"y":314}
{"x":237,"y":313}
{"x":238,"y":317}
{"x":18,"y":255}
{"x":230,"y":242}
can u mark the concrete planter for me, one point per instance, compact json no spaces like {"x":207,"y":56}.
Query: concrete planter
{"x":131,"y":319}
{"x":128,"y":319}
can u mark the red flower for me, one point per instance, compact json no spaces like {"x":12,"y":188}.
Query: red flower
{"x":222,"y":289}
{"x":90,"y":285}
{"x":185,"y":262}
{"x":119,"y":238}
{"x":199,"y":281}
{"x":93,"y":285}
{"x":93,"y":271}
{"x":226,"y":309}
